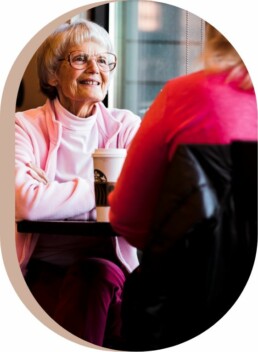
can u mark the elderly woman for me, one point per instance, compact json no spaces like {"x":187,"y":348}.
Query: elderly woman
{"x":77,"y":280}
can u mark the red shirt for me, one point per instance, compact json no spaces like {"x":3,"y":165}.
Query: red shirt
{"x":198,"y":108}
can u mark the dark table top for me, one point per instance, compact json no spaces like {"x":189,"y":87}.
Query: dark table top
{"x":66,"y":227}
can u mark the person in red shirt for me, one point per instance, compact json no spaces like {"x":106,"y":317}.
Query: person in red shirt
{"x":215,"y":105}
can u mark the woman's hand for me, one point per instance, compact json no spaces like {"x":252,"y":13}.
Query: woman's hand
{"x":37,"y":173}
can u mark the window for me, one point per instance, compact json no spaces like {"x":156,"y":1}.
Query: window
{"x":154,"y":42}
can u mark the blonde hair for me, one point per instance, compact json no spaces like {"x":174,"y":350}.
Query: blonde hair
{"x":56,"y":45}
{"x":219,"y":55}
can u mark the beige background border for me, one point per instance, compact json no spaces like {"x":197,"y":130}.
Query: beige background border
{"x":237,"y":331}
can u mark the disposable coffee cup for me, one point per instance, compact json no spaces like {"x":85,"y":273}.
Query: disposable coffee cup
{"x":107,"y":167}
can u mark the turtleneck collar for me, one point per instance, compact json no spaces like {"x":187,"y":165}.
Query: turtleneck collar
{"x":71,"y":121}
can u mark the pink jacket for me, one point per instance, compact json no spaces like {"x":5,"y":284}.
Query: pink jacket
{"x":37,"y":138}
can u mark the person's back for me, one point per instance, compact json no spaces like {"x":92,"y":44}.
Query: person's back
{"x":200,"y":261}
{"x":214,"y":106}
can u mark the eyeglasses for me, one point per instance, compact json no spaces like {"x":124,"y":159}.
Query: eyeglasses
{"x":80,"y":60}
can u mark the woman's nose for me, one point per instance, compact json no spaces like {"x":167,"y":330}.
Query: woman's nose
{"x":92,"y":65}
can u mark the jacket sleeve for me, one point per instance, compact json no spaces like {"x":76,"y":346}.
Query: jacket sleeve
{"x":129,"y":124}
{"x":34,"y":200}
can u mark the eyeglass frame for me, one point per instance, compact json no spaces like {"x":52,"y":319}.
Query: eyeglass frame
{"x":68,"y":59}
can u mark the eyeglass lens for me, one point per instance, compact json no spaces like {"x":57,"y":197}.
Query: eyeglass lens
{"x":80,"y":60}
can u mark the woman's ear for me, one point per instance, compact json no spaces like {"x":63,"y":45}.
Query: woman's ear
{"x":52,"y":81}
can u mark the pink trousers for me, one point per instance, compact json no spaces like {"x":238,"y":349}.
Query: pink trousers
{"x":85,"y":299}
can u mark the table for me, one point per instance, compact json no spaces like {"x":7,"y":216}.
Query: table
{"x":67,"y":227}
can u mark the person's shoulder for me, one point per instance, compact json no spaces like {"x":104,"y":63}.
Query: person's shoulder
{"x":123,"y":113}
{"x":120,"y":114}
{"x":33,"y":115}
{"x":185,"y":83}
{"x":32,"y":111}
{"x":187,"y":78}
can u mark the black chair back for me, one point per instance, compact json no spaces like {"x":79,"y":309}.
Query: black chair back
{"x":202,"y":249}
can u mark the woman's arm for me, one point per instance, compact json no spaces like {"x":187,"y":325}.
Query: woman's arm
{"x":35,"y":199}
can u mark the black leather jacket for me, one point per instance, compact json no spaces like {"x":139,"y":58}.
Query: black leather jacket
{"x":200,"y":256}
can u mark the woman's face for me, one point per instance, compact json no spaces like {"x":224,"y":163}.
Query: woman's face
{"x":79,"y":90}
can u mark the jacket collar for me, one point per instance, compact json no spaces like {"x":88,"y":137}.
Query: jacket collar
{"x":108,"y":126}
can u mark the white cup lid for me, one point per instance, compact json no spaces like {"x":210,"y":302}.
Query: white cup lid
{"x":109,"y":152}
